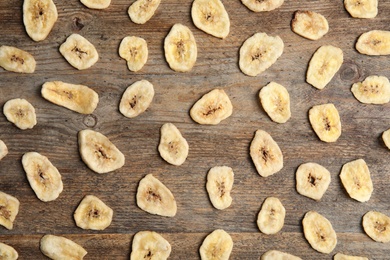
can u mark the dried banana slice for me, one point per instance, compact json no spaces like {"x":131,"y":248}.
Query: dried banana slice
{"x":373,"y":90}
{"x":219,"y":185}
{"x":377,"y":226}
{"x":312,"y":180}
{"x":98,"y":152}
{"x":386,"y":138}
{"x":9,"y":209}
{"x":96,"y":4}
{"x":340,"y":256}
{"x":217,"y":245}
{"x":325,"y":121}
{"x":135,"y":51}
{"x":270,"y":219}
{"x":16,"y":60}
{"x":57,"y":247}
{"x":259,"y":52}
{"x":3,"y":150}
{"x":319,"y":232}
{"x":276,"y":102}
{"x":21,"y":113}
{"x":173,"y":147}
{"x":211,"y":17}
{"x":8,"y":252}
{"x":310,"y":25}
{"x":39,"y":17}
{"x":356,"y":180}
{"x":149,"y":245}
{"x":155,"y":198}
{"x":180,"y":48}
{"x":79,"y":52}
{"x":375,"y":42}
{"x":324,"y":64}
{"x":266,"y":154}
{"x":278,"y":255}
{"x":362,"y":8}
{"x":262,"y":5}
{"x":78,"y":98}
{"x":136,"y":99}
{"x":43,"y":176}
{"x":212,"y":108}
{"x":142,"y":10}
{"x":92,"y":213}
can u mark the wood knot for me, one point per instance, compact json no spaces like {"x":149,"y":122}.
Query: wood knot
{"x":90,"y":120}
{"x":350,"y":71}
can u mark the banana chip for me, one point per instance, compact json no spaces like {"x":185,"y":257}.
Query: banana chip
{"x":325,"y":121}
{"x":173,"y":147}
{"x":310,"y":25}
{"x":8,"y":252}
{"x":373,"y":90}
{"x":92,"y":213}
{"x":262,"y":5}
{"x":150,"y":245}
{"x":3,"y":150}
{"x":61,"y":248}
{"x":142,"y":10}
{"x":276,"y":102}
{"x":136,"y":98}
{"x":16,"y":60}
{"x":270,"y":219}
{"x":377,"y":226}
{"x":375,"y":42}
{"x":362,"y":8}
{"x":135,"y":51}
{"x":312,"y":180}
{"x":340,"y":256}
{"x":9,"y":209}
{"x":386,"y":138}
{"x":278,"y":255}
{"x":219,"y":185}
{"x":96,"y":4}
{"x":21,"y":113}
{"x":217,"y":245}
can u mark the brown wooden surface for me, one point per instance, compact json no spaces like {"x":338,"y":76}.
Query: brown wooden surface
{"x":55,"y":135}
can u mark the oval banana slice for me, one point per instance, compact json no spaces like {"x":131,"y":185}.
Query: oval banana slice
{"x":79,"y":52}
{"x":219,"y":185}
{"x":362,"y":8}
{"x":57,"y":247}
{"x":340,"y":256}
{"x":266,"y":154}
{"x":259,"y":52}
{"x":356,"y":180}
{"x":312,"y":180}
{"x":135,"y":51}
{"x":142,"y":10}
{"x":21,"y":113}
{"x":173,"y":147}
{"x":96,"y":4}
{"x":278,"y":255}
{"x":212,"y":108}
{"x":39,"y":17}
{"x":155,"y":198}
{"x":319,"y":232}
{"x":386,"y":138}
{"x":8,"y":252}
{"x":217,"y":245}
{"x":325,"y":121}
{"x":43,"y":176}
{"x":78,"y":98}
{"x":276,"y":102}
{"x":3,"y":150}
{"x":377,"y":226}
{"x":262,"y":5}
{"x":98,"y":152}
{"x":92,"y":213}
{"x":270,"y":219}
{"x":310,"y":25}
{"x":375,"y":42}
{"x":373,"y":90}
{"x":136,"y":98}
{"x":16,"y":60}
{"x":9,"y":209}
{"x":211,"y":17}
{"x":180,"y":48}
{"x":149,"y":245}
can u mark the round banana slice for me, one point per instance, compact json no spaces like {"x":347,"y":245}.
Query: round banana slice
{"x":135,"y":51}
{"x":9,"y":209}
{"x":270,"y":219}
{"x":136,"y":98}
{"x":21,"y":113}
{"x":373,"y":90}
{"x":92,"y":213}
{"x":217,"y":245}
{"x":312,"y":180}
{"x":8,"y":252}
{"x":180,"y":48}
{"x":142,"y":10}
{"x":149,"y":245}
{"x":16,"y":60}
{"x":278,"y":255}
{"x":3,"y":150}
{"x":219,"y":185}
{"x":96,"y":4}
{"x":262,"y":5}
{"x":325,"y":121}
{"x":319,"y":232}
{"x":276,"y":102}
{"x":386,"y":138}
{"x":39,"y":17}
{"x":375,"y":42}
{"x":259,"y":52}
{"x":340,"y":256}
{"x":57,"y":247}
{"x":173,"y":147}
{"x":362,"y":8}
{"x":310,"y":25}
{"x":377,"y":226}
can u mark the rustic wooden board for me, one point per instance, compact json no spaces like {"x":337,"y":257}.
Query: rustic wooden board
{"x":55,"y":135}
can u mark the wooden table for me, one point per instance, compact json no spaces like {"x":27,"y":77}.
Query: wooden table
{"x":55,"y":135}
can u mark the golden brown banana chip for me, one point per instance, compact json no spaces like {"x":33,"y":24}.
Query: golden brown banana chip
{"x":149,"y":245}
{"x":377,"y":226}
{"x":16,"y":60}
{"x":9,"y":209}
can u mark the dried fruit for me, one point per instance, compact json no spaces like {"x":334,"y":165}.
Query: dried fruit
{"x":16,"y":60}
{"x":8,"y":252}
{"x":262,"y":5}
{"x":362,"y":8}
{"x":270,"y":219}
{"x":3,"y":150}
{"x":377,"y":226}
{"x":21,"y":113}
{"x":373,"y":90}
{"x":135,"y":51}
{"x":310,"y":25}
{"x":375,"y":42}
{"x":325,"y":121}
{"x":96,"y":4}
{"x":217,"y":245}
{"x":9,"y":209}
{"x":136,"y":98}
{"x":312,"y":180}
{"x":278,"y":255}
{"x":219,"y":185}
{"x":150,"y":245}
{"x":173,"y":147}
{"x":142,"y":10}
{"x":92,"y":213}
{"x":276,"y":102}
{"x":57,"y":247}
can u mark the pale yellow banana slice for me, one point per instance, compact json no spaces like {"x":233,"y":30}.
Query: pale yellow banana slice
{"x":324,"y":64}
{"x":319,"y":232}
{"x":142,"y":10}
{"x":78,"y":98}
{"x":98,"y":152}
{"x":150,"y":245}
{"x":211,"y":17}
{"x":79,"y":52}
{"x":375,"y":42}
{"x":3,"y":150}
{"x":96,"y":4}
{"x":136,"y":98}
{"x":43,"y":176}
{"x":212,"y":108}
{"x":39,"y":17}
{"x":325,"y":121}
{"x":219,"y":185}
{"x":373,"y":90}
{"x":386,"y":138}
{"x":276,"y":102}
{"x":278,"y":255}
{"x":135,"y":51}
{"x":262,"y":5}
{"x":266,"y":154}
{"x":312,"y":180}
{"x":340,"y":256}
{"x":16,"y":60}
{"x":259,"y":52}
{"x":356,"y":180}
{"x":377,"y":226}
{"x":173,"y":147}
{"x":155,"y":198}
{"x":180,"y":48}
{"x":218,"y":245}
{"x":310,"y":25}
{"x":362,"y":8}
{"x":9,"y":209}
{"x":21,"y":113}
{"x":8,"y":252}
{"x":92,"y":213}
{"x":61,"y":248}
{"x":270,"y":219}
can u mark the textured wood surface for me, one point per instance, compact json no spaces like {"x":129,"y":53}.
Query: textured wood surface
{"x":55,"y":135}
